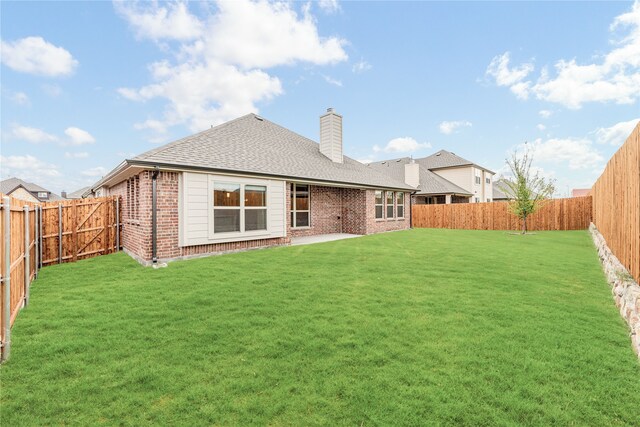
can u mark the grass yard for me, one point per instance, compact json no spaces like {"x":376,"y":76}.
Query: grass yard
{"x":421,"y":327}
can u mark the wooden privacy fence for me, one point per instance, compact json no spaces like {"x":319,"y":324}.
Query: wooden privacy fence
{"x":556,"y":214}
{"x":36,"y":235}
{"x":616,"y":203}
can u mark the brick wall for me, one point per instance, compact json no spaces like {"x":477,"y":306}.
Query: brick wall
{"x":333,"y":210}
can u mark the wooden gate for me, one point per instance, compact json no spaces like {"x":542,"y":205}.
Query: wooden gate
{"x":79,"y":229}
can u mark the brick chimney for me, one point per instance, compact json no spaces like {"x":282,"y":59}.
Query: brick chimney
{"x":412,"y":174}
{"x":331,"y":135}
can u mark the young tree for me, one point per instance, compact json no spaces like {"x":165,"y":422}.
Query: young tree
{"x":527,"y":191}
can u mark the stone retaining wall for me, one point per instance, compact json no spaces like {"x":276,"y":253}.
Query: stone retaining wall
{"x":626,"y":291}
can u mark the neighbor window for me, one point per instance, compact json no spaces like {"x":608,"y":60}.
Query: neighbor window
{"x":488,"y":180}
{"x":42,"y":194}
{"x":379,"y":204}
{"x":478,"y":180}
{"x":226,"y":207}
{"x":389,"y":204}
{"x":300,"y":205}
{"x":400,"y":204}
{"x":477,"y":200}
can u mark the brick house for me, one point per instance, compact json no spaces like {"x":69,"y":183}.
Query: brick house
{"x":250,"y":183}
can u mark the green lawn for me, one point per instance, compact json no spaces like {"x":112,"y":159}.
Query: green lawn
{"x":421,"y":327}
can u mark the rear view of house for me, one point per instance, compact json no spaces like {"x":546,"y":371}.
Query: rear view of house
{"x":250,"y":183}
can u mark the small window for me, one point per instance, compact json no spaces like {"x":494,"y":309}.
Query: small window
{"x":478,"y":181}
{"x":477,"y":200}
{"x":389,"y":204}
{"x":226,"y":207}
{"x":400,"y":204}
{"x":488,"y":180}
{"x":43,"y":194}
{"x":300,"y":206}
{"x":379,"y":205}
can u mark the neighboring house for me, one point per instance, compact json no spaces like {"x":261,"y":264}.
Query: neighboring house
{"x":580,"y":192}
{"x":441,"y":178}
{"x":250,"y":183}
{"x":27,"y":191}
{"x":78,"y":194}
{"x":498,"y":194}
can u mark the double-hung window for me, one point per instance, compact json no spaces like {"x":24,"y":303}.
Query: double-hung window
{"x":239,"y":207}
{"x":390,"y":204}
{"x":400,"y":204}
{"x":300,"y":206}
{"x":379,"y":204}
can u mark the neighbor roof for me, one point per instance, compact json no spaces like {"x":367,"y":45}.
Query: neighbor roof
{"x":251,"y":144}
{"x":446,"y":159}
{"x":10,"y":184}
{"x":430,"y":183}
{"x":498,"y":194}
{"x":78,"y":194}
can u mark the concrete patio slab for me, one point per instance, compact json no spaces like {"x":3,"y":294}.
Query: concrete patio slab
{"x":308,"y":240}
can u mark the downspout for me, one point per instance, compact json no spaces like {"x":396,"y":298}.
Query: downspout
{"x":154,"y":216}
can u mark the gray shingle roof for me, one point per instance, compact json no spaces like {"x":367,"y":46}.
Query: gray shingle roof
{"x":430,"y":183}
{"x":498,"y":194}
{"x":255,"y":145}
{"x":443,"y":159}
{"x":11,"y":184}
{"x":78,"y":193}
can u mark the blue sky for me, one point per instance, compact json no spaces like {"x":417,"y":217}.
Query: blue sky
{"x":86,"y":84}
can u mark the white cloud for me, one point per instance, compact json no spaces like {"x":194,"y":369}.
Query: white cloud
{"x":361,"y":66}
{"x":545,"y":114}
{"x":577,"y":153}
{"x":221,"y":74}
{"x":79,"y":155}
{"x":28,"y":167}
{"x":541,"y":127}
{"x":329,"y":6}
{"x":617,"y":134}
{"x":332,"y":81}
{"x":171,"y":21}
{"x":34,"y":55}
{"x":53,"y":91}
{"x":613,"y":77}
{"x":95,"y":172}
{"x":401,"y":145}
{"x":448,"y":128}
{"x":20,"y":98}
{"x":78,"y":136}
{"x":512,"y":77}
{"x":32,"y":135}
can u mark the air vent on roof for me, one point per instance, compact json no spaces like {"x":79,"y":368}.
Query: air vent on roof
{"x":437,"y":154}
{"x":259,"y":118}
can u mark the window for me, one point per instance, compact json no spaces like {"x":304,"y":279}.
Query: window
{"x":226,"y":207}
{"x":400,"y":204}
{"x":300,"y":205}
{"x":488,"y":180}
{"x":477,"y":200}
{"x":43,"y":195}
{"x":379,"y":205}
{"x":488,"y":200}
{"x":239,"y":207}
{"x":133,"y":201}
{"x":255,"y":207}
{"x":389,"y":204}
{"x":478,"y":180}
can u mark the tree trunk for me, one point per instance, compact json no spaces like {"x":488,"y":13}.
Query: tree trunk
{"x":524,"y":224}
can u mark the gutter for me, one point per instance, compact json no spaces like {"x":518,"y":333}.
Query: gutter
{"x":154,"y":216}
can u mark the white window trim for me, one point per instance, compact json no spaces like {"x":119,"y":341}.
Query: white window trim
{"x":397,"y":204}
{"x":294,"y":211}
{"x":375,"y":205}
{"x":386,"y":205}
{"x":242,"y":233}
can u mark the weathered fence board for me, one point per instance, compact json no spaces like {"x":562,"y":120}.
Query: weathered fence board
{"x":34,"y":235}
{"x":556,"y":214}
{"x":616,"y":203}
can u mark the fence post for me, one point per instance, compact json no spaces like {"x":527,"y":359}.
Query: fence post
{"x":36,"y":240}
{"x":59,"y":233}
{"x":40,"y":236}
{"x":6,"y":280}
{"x":117,"y":223}
{"x":27,"y":256}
